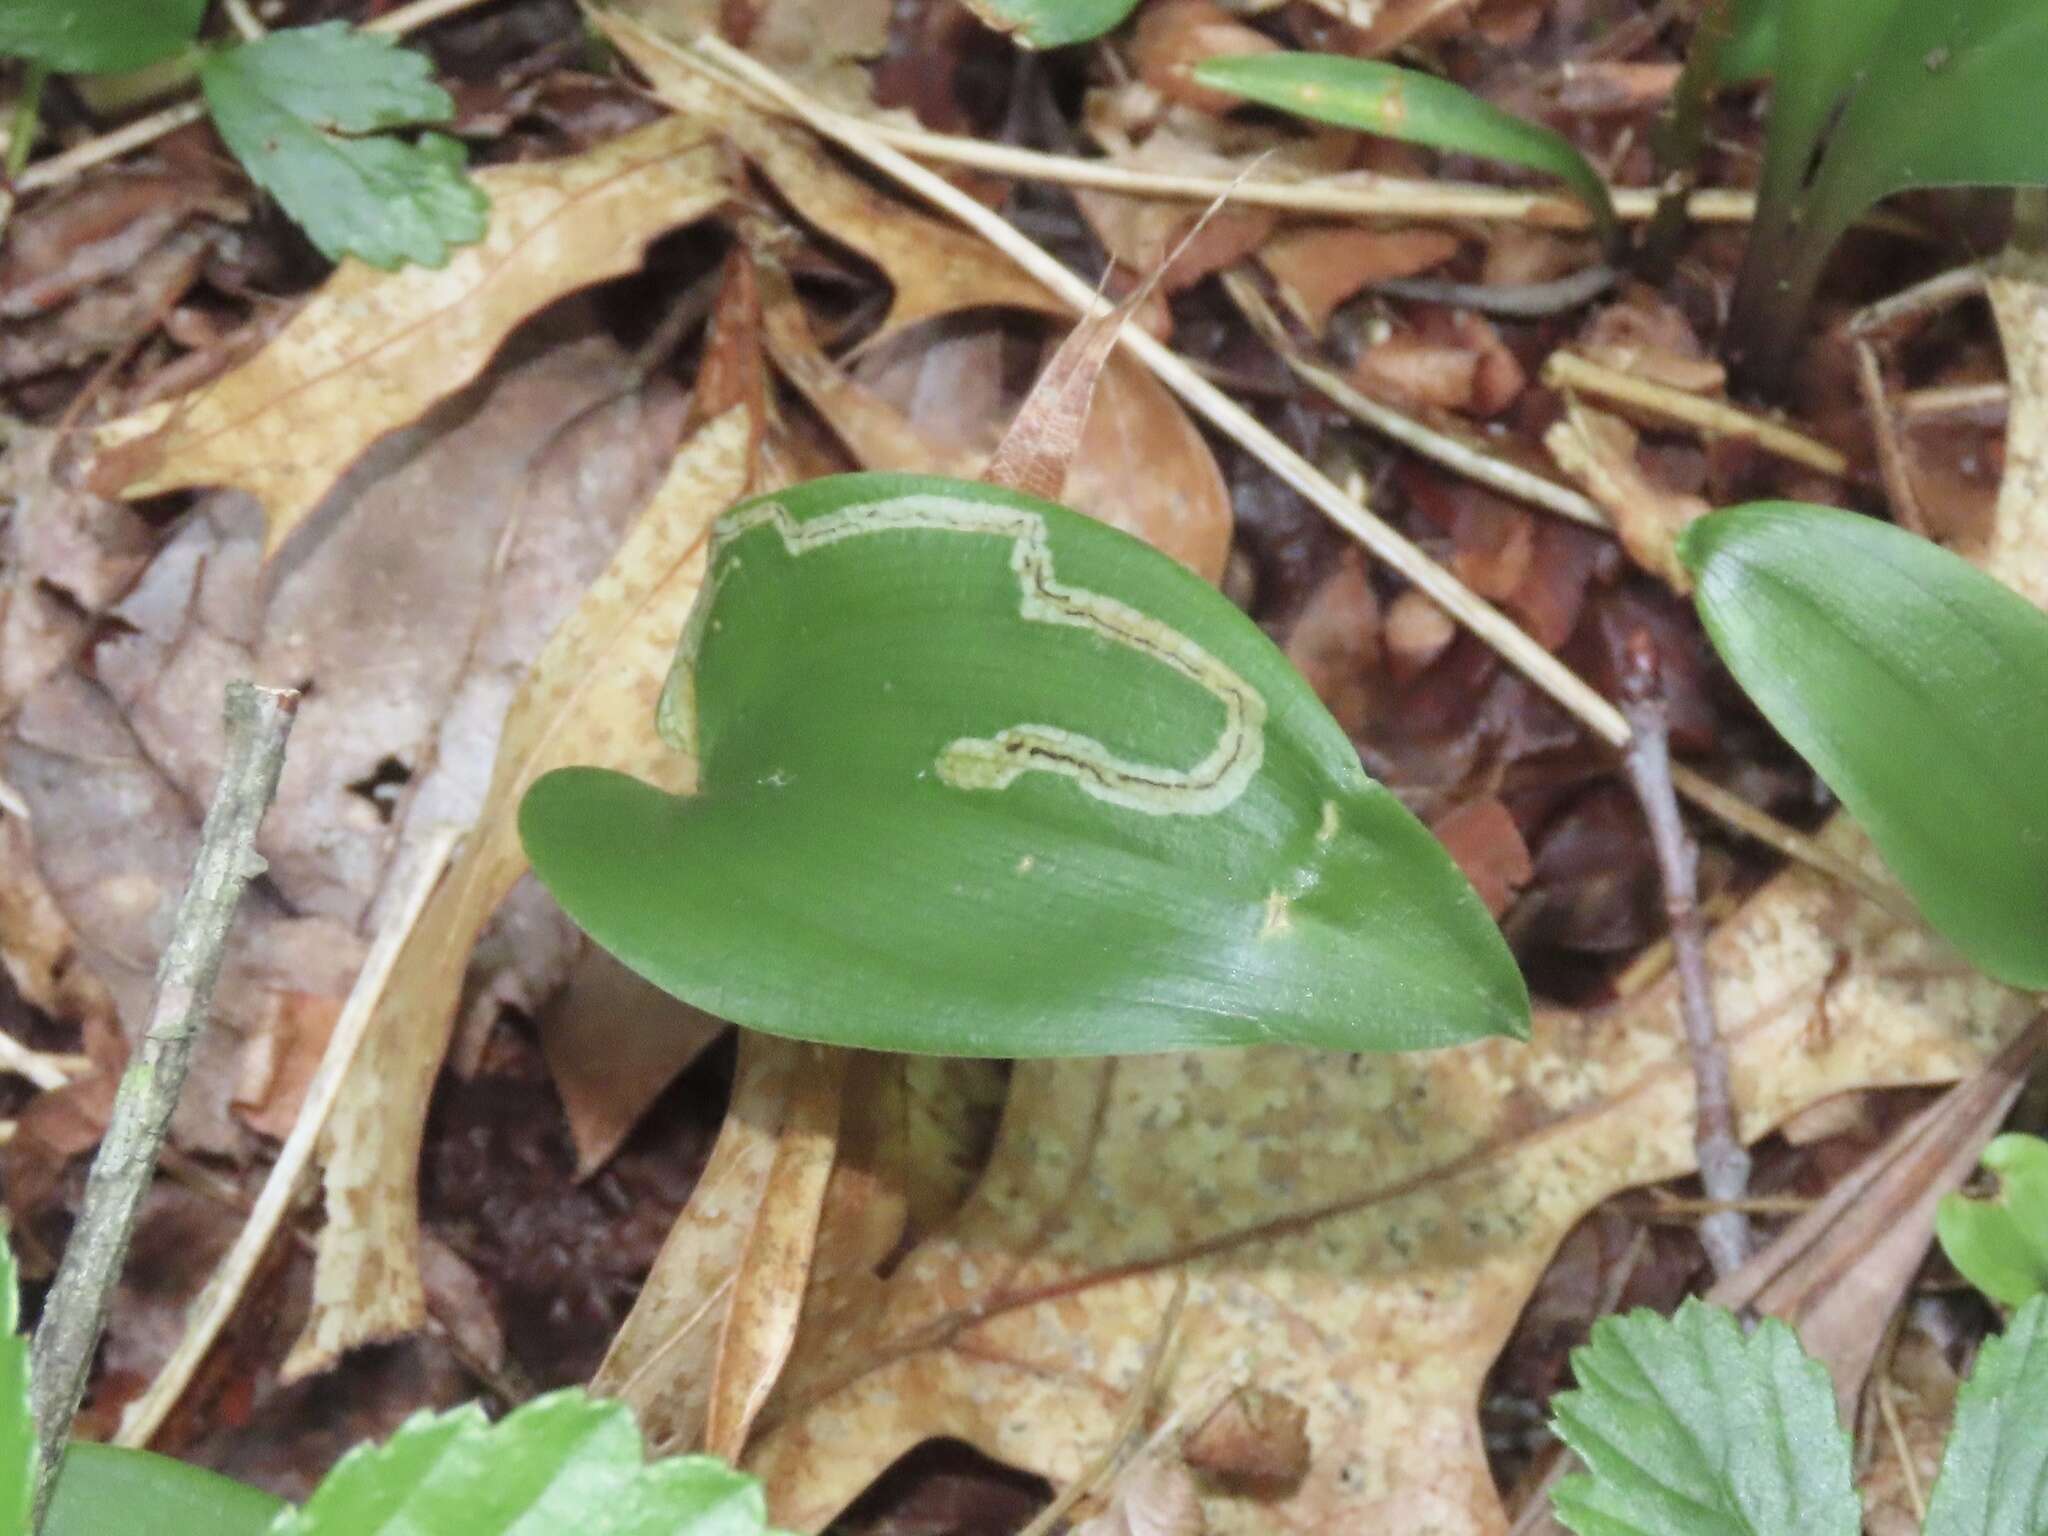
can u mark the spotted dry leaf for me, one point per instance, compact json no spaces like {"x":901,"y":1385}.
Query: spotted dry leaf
{"x":1358,"y":1233}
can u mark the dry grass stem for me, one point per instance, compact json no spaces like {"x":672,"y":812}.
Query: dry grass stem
{"x":1475,"y":464}
{"x":1714,"y":418}
{"x":216,"y":1304}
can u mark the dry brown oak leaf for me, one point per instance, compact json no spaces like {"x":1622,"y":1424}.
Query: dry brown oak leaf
{"x":1358,"y":1232}
{"x":373,"y":350}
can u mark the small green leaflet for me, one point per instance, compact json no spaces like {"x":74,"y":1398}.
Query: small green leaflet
{"x":1917,"y":687}
{"x":106,"y":1488}
{"x":982,"y":776}
{"x":1052,"y":23}
{"x":290,"y":106}
{"x":17,"y":1418}
{"x":78,"y":37}
{"x":1409,"y":105}
{"x":1689,"y":1428}
{"x":564,"y":1462}
{"x":1994,"y":1471}
{"x":2000,"y":1245}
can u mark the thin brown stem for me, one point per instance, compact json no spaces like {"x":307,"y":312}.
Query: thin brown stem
{"x":1724,"y":1164}
{"x":258,"y":721}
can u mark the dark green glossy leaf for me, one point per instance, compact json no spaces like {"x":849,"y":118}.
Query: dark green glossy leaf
{"x":286,"y":106}
{"x":565,"y":1462}
{"x":1689,"y":1427}
{"x":2000,"y":1245}
{"x":1917,"y":687}
{"x":1408,"y":105}
{"x":97,"y":36}
{"x":104,"y":1489}
{"x":1052,"y":23}
{"x":1994,"y":1472}
{"x":1873,"y":97}
{"x":982,"y":776}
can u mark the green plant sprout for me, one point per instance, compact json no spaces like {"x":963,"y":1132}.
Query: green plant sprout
{"x":563,"y":1462}
{"x":305,"y":111}
{"x":1912,"y":682}
{"x":1687,"y":1426}
{"x":2000,"y":1245}
{"x":979,"y":775}
{"x":1411,"y":106}
{"x":1870,"y":98}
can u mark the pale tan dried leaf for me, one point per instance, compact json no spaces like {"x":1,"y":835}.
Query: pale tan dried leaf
{"x":1152,"y":1498}
{"x":1360,"y":1240}
{"x":774,"y":1271}
{"x":613,"y":1044}
{"x":374,"y":350}
{"x":38,"y":945}
{"x":661,"y":1363}
{"x":1416,"y":633}
{"x":589,"y":700}
{"x":933,"y":267}
{"x":1598,"y":449}
{"x":1921,"y":1387}
{"x":2017,"y":552}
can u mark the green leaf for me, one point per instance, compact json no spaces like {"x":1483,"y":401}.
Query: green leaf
{"x":284,"y":106}
{"x":105,"y":1489}
{"x":982,"y":776}
{"x":564,"y":1462}
{"x":1917,"y":687}
{"x":1994,"y":1473}
{"x":1874,"y":97}
{"x":1408,"y":105}
{"x":1751,"y":51}
{"x":74,"y":37}
{"x":2000,"y":1245}
{"x":1689,"y":1428}
{"x":1052,"y":23}
{"x":17,"y":1418}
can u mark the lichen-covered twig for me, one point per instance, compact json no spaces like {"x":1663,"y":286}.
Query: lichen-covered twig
{"x":258,"y":721}
{"x":1724,"y":1163}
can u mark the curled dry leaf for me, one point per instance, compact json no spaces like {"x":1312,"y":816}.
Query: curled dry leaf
{"x":1335,"y":642}
{"x":1255,"y":1436}
{"x":1153,"y":1497}
{"x":1359,"y":1239}
{"x":1319,"y":266}
{"x":374,"y":350}
{"x":1487,"y":845}
{"x":1416,"y":633}
{"x":1598,"y":449}
{"x":589,"y":699}
{"x":1173,"y":36}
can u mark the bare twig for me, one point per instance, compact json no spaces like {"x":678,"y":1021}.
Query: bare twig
{"x":1462,"y":458}
{"x":1724,"y":1164}
{"x":1514,"y":301}
{"x":216,"y":1304}
{"x":1884,"y":431}
{"x":258,"y":721}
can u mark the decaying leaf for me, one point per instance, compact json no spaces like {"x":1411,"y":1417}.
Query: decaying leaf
{"x":1357,"y":1234}
{"x":589,"y":698}
{"x":1598,"y":449}
{"x":373,"y":351}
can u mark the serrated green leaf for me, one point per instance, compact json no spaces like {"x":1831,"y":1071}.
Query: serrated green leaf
{"x":286,"y":104}
{"x":17,"y":1417}
{"x":105,"y":1489}
{"x":1917,"y":687}
{"x":1052,"y":23}
{"x":95,"y":36}
{"x":982,"y":776}
{"x":564,"y":1462}
{"x":1409,"y":105}
{"x":1689,"y":1428}
{"x":1994,"y":1472}
{"x":2000,"y":1245}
